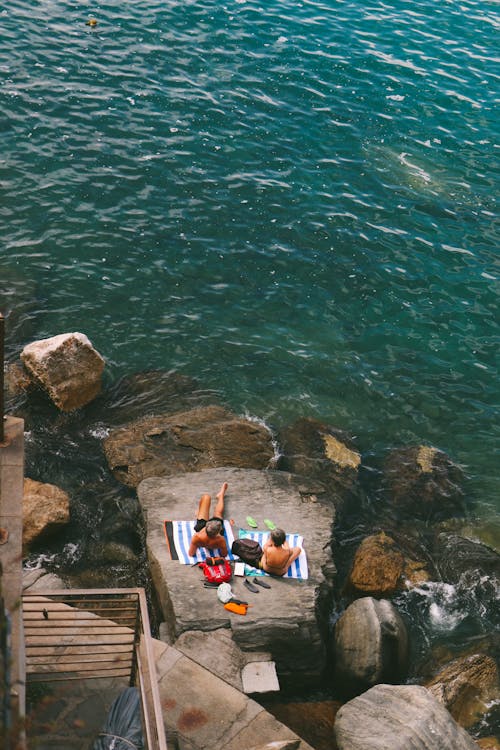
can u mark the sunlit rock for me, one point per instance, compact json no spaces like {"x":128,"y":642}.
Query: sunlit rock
{"x":467,"y":687}
{"x":45,"y":510}
{"x":398,"y":717}
{"x":380,"y":568}
{"x":322,"y":452}
{"x":67,"y":367}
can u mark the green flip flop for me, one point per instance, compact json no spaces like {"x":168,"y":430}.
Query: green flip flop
{"x":252,"y":522}
{"x":270,"y":525}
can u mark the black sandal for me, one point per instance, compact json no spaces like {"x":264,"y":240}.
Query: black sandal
{"x":251,"y":587}
{"x":260,"y":582}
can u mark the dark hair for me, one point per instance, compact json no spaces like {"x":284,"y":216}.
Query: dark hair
{"x":278,"y":536}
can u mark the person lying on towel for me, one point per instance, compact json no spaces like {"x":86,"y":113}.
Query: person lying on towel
{"x":278,"y":556}
{"x":209,"y":531}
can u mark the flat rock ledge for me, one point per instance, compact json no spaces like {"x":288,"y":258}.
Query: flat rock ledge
{"x":289,"y":621}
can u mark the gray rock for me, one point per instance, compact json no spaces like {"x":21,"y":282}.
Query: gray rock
{"x":67,"y":367}
{"x":216,"y":651}
{"x":289,"y":621}
{"x":39,"y":580}
{"x":371,"y":645}
{"x":398,"y":717}
{"x":194,"y":440}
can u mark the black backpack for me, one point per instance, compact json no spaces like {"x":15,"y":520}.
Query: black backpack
{"x":247,"y":550}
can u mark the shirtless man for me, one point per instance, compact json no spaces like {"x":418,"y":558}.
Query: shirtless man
{"x":209,"y":531}
{"x":278,"y":556}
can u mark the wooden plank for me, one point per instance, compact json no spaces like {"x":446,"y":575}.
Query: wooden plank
{"x":56,"y":668}
{"x":57,"y":641}
{"x":110,"y":656}
{"x":54,"y":677}
{"x":59,"y":651}
{"x":64,"y":628}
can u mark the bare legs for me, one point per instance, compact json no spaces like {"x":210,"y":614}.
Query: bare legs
{"x":204,"y":504}
{"x":219,"y":508}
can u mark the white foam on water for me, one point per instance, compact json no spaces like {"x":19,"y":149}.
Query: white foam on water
{"x":445,"y":612}
{"x":99,"y":432}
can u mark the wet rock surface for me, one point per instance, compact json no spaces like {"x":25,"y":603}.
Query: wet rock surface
{"x":466,"y":687}
{"x":320,"y":451}
{"x":423,"y":482}
{"x":189,"y":441}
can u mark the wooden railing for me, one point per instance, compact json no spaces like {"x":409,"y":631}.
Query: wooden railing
{"x":92,"y":633}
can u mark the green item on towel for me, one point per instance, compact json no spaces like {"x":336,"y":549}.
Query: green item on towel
{"x":252,"y":522}
{"x":270,"y":525}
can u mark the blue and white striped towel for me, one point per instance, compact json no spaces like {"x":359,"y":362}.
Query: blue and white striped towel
{"x":298,"y":569}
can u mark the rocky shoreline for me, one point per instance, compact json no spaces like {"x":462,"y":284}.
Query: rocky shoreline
{"x":368,"y":543}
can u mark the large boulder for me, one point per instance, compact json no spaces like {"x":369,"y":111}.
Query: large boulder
{"x":320,"y":451}
{"x":467,"y":687}
{"x":422,"y":482}
{"x":194,"y":440}
{"x":380,"y":568}
{"x":399,"y":717}
{"x":45,"y":510}
{"x":289,"y":620}
{"x":67,"y":367}
{"x":371,"y":646}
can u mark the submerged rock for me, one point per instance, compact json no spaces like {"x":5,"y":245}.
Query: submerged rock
{"x":466,"y":687}
{"x":371,"y":646}
{"x":45,"y":510}
{"x":149,"y":393}
{"x":398,"y":717}
{"x":322,"y":452}
{"x":380,"y":568}
{"x":67,"y":367}
{"x":457,"y":555}
{"x":423,"y":482}
{"x":189,"y":441}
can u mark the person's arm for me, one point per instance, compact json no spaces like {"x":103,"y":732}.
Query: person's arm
{"x":223,"y":547}
{"x":193,"y":546}
{"x":267,"y":544}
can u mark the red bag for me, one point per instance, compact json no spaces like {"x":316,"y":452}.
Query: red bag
{"x":216,"y":570}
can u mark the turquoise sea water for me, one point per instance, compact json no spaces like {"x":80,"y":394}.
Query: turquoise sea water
{"x":294,"y":203}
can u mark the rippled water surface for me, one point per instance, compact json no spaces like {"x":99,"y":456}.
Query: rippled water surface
{"x":293,"y":202}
